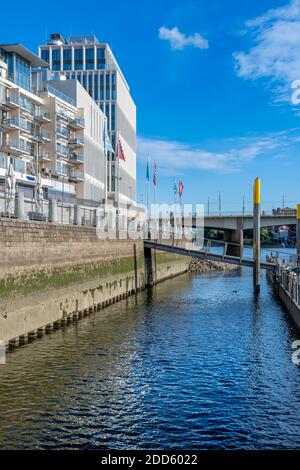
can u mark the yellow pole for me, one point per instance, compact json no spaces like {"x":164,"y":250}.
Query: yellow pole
{"x":256,"y":235}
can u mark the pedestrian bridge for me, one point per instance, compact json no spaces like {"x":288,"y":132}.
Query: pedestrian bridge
{"x":208,"y":252}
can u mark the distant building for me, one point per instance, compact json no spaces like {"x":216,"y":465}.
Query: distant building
{"x":284,"y":211}
{"x":50,"y":128}
{"x":93,"y":64}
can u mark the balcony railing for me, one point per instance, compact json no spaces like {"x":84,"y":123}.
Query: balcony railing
{"x":44,"y":155}
{"x":62,"y":151}
{"x":18,"y":146}
{"x":76,"y":157}
{"x":42,"y":115}
{"x":76,"y":122}
{"x":45,"y":135}
{"x":76,"y":141}
{"x":77,"y":175}
{"x":62,"y":131}
{"x":17,"y":123}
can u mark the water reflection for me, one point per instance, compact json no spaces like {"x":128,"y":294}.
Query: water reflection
{"x":198,"y":362}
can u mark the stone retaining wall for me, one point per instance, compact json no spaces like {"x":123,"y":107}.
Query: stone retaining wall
{"x":52,"y":274}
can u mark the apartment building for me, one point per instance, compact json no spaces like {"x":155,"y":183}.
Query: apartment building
{"x":85,"y":59}
{"x":49,"y":131}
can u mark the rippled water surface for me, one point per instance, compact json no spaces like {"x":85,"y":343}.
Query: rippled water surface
{"x":199,"y":363}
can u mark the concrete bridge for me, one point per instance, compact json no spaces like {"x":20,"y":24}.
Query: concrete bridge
{"x":234,"y":226}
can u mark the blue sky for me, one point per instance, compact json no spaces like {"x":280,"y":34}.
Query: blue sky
{"x":212,"y":84}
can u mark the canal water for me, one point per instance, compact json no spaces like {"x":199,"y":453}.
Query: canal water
{"x":197,"y":363}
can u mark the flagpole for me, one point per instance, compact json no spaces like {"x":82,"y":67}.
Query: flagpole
{"x":148,"y":187}
{"x":174,"y":186}
{"x":148,"y":197}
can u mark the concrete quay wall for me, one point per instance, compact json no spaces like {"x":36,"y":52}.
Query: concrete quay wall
{"x":53,"y":274}
{"x":283,"y":295}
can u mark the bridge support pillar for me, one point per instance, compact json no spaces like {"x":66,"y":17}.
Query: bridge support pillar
{"x":236,"y":237}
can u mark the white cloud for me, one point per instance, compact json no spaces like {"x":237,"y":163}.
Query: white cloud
{"x":181,"y":156}
{"x":179,"y":41}
{"x":275,"y":54}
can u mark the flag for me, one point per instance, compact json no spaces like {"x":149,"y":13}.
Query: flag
{"x":107,"y":143}
{"x":122,"y":154}
{"x":119,"y":151}
{"x":148,"y":172}
{"x":180,"y":188}
{"x":154,"y":175}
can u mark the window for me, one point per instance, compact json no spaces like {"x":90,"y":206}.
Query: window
{"x":45,"y":55}
{"x":19,"y":71}
{"x":101,"y":87}
{"x":90,"y":84}
{"x":100,"y":58}
{"x":78,"y":58}
{"x":67,"y":56}
{"x":55,"y":59}
{"x":107,"y":87}
{"x":96,"y":93}
{"x":89,"y":58}
{"x":3,"y":160}
{"x":113,"y":117}
{"x":19,"y":165}
{"x":113,"y":86}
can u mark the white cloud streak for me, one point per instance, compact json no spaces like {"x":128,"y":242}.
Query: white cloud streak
{"x":172,"y":155}
{"x":275,"y":54}
{"x":178,"y":40}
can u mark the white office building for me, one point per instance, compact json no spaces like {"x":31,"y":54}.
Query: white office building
{"x":93,"y":64}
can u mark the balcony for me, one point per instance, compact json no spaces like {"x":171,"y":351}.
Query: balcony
{"x":62,"y":131}
{"x":76,"y":158}
{"x":62,"y":152}
{"x":62,"y":114}
{"x":15,"y":123}
{"x":12,"y":101}
{"x":18,"y":147}
{"x":76,"y":122}
{"x":44,"y":156}
{"x":76,"y":142}
{"x":45,"y":136}
{"x":42,"y":116}
{"x":76,"y":175}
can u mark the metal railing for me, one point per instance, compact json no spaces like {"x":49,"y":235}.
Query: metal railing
{"x":288,"y":276}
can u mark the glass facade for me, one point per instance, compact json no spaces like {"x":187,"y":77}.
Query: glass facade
{"x":107,"y":86}
{"x":100,"y":58}
{"x":89,"y":58}
{"x":67,"y":59}
{"x":78,"y":58}
{"x":90,"y":84}
{"x":45,"y":55}
{"x":19,"y":70}
{"x":55,"y":59}
{"x":96,"y":85}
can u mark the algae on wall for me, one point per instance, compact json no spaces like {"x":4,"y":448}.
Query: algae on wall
{"x":33,"y":281}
